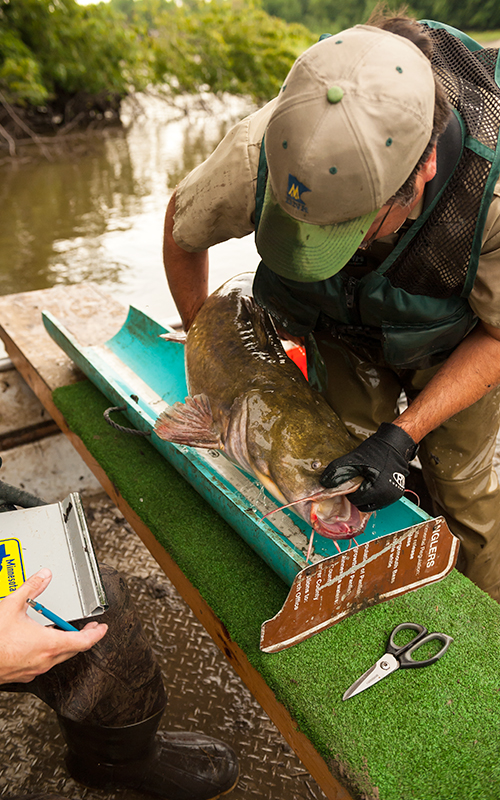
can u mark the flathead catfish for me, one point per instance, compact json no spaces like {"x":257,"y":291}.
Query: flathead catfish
{"x":249,"y":400}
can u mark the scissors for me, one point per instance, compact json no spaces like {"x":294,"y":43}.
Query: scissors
{"x":396,"y":657}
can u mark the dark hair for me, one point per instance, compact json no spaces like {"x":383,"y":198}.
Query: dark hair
{"x":399,"y":23}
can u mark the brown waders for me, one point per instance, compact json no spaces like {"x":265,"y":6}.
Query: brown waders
{"x":456,"y":458}
{"x":110,"y":700}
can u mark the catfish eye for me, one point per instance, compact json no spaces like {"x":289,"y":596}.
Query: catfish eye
{"x":316,"y":465}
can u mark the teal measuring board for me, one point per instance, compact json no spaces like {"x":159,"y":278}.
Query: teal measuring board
{"x":139,"y":370}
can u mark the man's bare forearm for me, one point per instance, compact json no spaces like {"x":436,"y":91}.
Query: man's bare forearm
{"x":472,"y":370}
{"x":187,"y":273}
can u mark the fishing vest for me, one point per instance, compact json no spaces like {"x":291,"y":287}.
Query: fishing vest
{"x":411,"y":311}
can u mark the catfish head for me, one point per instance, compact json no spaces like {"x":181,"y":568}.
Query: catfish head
{"x":285,"y":441}
{"x":288,"y":443}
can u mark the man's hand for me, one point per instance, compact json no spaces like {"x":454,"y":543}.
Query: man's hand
{"x":382,"y":460}
{"x":28,"y":649}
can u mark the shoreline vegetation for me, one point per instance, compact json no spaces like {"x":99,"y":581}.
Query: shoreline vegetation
{"x":65,"y":68}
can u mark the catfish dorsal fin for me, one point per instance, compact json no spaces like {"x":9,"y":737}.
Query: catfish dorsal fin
{"x":174,"y":336}
{"x":189,"y":423}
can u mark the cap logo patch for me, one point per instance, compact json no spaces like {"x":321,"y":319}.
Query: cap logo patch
{"x":294,"y":194}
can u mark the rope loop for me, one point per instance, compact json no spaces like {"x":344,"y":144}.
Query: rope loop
{"x":122,"y":428}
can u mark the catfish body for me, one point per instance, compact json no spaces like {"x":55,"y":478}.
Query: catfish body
{"x":249,"y":400}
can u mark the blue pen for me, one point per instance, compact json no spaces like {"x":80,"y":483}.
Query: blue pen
{"x":61,"y":623}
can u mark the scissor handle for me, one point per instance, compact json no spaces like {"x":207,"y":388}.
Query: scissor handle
{"x":396,"y":649}
{"x":405,"y":654}
{"x":406,"y":658}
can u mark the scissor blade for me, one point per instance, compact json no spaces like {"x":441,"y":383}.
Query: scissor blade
{"x":381,"y":669}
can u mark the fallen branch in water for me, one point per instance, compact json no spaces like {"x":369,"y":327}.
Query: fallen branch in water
{"x":69,"y":125}
{"x":54,"y":139}
{"x":17,"y":119}
{"x":73,"y":143}
{"x":10,"y":141}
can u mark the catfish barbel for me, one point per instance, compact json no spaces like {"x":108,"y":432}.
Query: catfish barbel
{"x":250,"y":401}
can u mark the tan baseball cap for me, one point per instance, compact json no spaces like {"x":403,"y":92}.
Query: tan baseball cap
{"x":351,"y":122}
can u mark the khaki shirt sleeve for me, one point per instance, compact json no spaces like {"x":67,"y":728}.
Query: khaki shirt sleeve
{"x":216,"y":201}
{"x":485,"y":296}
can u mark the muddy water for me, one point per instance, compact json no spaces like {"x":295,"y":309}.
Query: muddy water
{"x":95,"y":213}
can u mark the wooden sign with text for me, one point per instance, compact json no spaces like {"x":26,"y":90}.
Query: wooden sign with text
{"x":337,"y":587}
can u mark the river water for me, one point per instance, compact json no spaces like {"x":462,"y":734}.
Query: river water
{"x":95,"y":212}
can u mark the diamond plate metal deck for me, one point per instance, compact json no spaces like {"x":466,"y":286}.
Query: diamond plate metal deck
{"x":205,"y":693}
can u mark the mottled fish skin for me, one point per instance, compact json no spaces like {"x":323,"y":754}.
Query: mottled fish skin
{"x":248,"y":399}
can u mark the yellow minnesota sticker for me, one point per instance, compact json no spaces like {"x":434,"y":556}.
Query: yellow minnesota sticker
{"x":11,"y":566}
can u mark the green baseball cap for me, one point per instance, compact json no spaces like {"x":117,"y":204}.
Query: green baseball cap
{"x":352,"y":120}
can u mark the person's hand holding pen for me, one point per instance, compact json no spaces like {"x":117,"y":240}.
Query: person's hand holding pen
{"x":28,"y":649}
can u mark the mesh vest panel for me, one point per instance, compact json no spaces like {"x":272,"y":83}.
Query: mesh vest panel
{"x":437,"y":260}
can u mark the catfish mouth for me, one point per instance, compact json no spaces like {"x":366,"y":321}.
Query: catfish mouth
{"x":337,"y":518}
{"x":330,"y":513}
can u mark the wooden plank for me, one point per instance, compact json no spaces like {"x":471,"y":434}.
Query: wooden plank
{"x":45,"y":367}
{"x":87,"y":312}
{"x":23,"y":419}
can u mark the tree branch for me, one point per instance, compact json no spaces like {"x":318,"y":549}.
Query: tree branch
{"x":10,"y":111}
{"x":10,"y":141}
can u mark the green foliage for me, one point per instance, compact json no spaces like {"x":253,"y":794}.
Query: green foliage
{"x":20,"y":73}
{"x":335,"y":15}
{"x":482,"y":15}
{"x":54,"y":50}
{"x":221,"y":45}
{"x":485,"y":38}
{"x":51,"y":48}
{"x":321,"y":16}
{"x":225,"y":46}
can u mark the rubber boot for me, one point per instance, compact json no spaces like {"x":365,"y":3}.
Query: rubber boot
{"x":174,"y":766}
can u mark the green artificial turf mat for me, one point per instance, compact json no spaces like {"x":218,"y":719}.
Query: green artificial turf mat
{"x":422,"y":734}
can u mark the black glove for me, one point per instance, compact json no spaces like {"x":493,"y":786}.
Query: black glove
{"x":382,"y":460}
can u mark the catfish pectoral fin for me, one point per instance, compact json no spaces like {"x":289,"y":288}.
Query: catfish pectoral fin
{"x":174,"y":336}
{"x":189,"y":423}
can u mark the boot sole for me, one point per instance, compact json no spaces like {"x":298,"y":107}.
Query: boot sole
{"x":110,"y":784}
